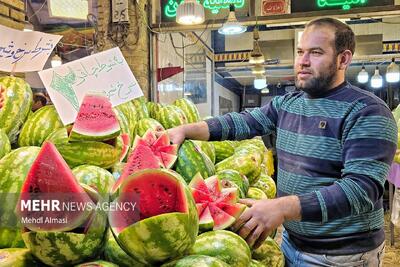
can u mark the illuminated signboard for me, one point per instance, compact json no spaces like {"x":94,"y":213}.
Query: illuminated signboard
{"x":213,"y":5}
{"x":318,"y":5}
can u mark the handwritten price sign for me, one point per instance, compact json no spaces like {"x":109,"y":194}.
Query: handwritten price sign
{"x":25,"y":51}
{"x":106,"y":72}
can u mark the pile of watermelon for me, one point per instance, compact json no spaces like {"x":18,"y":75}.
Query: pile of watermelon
{"x":178,"y":202}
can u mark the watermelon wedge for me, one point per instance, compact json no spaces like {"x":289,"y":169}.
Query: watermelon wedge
{"x":217,"y":207}
{"x":48,"y":193}
{"x":96,"y":120}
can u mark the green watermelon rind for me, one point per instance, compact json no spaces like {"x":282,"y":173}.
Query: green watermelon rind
{"x":147,"y":123}
{"x":98,"y":263}
{"x":5,"y":146}
{"x":98,"y":178}
{"x":39,"y":126}
{"x":17,"y":257}
{"x":269,"y":254}
{"x":189,"y":109}
{"x":114,"y":253}
{"x":196,"y":261}
{"x":77,"y":135}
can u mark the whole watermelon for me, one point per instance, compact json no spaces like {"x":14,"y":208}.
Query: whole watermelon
{"x":196,"y":261}
{"x":17,"y":257}
{"x":189,"y":109}
{"x":15,"y":104}
{"x":5,"y":146}
{"x":114,"y":253}
{"x":98,"y":178}
{"x":269,"y":254}
{"x":13,"y":169}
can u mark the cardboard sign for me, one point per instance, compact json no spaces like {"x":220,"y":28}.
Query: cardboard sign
{"x":106,"y":72}
{"x":25,"y":51}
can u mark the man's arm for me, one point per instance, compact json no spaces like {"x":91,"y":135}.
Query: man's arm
{"x":194,"y":131}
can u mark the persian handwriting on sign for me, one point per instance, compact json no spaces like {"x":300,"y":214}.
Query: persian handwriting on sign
{"x":213,"y":5}
{"x":25,"y":51}
{"x":106,"y":72}
{"x":346,"y":4}
{"x":273,"y":7}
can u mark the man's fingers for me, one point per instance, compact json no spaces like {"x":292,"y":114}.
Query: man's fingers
{"x":247,"y":228}
{"x":255,"y":235}
{"x":261,"y":239}
{"x":246,"y":215}
{"x":247,"y":201}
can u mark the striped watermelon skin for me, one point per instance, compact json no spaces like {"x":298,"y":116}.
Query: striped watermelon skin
{"x":13,"y":169}
{"x":255,"y":263}
{"x":171,"y":116}
{"x":224,"y":245}
{"x":68,"y":248}
{"x":58,"y":136}
{"x":189,"y":109}
{"x":164,"y":237}
{"x":207,"y":148}
{"x":123,"y":122}
{"x":141,"y":107}
{"x":269,"y":254}
{"x":196,"y":261}
{"x":16,"y":105}
{"x":5,"y":146}
{"x":223,"y":150}
{"x":98,"y":263}
{"x":129,"y":111}
{"x":38,"y":126}
{"x":17,"y":257}
{"x":98,"y":178}
{"x":114,"y":253}
{"x":148,"y":123}
{"x":192,"y":160}
{"x":89,"y":152}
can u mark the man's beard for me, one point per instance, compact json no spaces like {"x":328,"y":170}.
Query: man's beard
{"x":318,"y":85}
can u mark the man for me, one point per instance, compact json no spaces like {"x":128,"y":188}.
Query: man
{"x":335,"y":143}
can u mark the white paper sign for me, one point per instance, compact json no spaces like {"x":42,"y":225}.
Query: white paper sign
{"x":25,"y":51}
{"x":106,"y":72}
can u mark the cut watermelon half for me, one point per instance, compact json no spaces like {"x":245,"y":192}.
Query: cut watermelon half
{"x":217,"y":207}
{"x":48,"y":193}
{"x":96,"y":120}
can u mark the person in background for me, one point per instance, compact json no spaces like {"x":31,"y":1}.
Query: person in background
{"x":335,"y":143}
{"x":39,"y":100}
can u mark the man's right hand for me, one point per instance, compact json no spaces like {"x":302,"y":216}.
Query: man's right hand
{"x":177,"y":135}
{"x":195,"y":131}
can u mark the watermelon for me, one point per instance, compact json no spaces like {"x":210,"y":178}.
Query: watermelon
{"x":98,"y":263}
{"x":223,"y":150}
{"x":17,"y":257}
{"x":38,"y":126}
{"x":269,"y":254}
{"x":140,"y":107}
{"x":266,"y":184}
{"x":207,"y":149}
{"x":114,"y":253}
{"x":68,"y":248}
{"x":256,"y":193}
{"x":58,"y":136}
{"x":5,"y":146}
{"x":255,"y":263}
{"x":89,"y":152}
{"x":246,"y":165}
{"x":232,"y":178}
{"x":96,"y":120}
{"x":129,"y":111}
{"x":189,"y":109}
{"x":149,"y":152}
{"x":196,"y":261}
{"x":15,"y":104}
{"x":217,"y":207}
{"x":50,"y":179}
{"x":123,"y":123}
{"x":224,"y":245}
{"x":154,"y":109}
{"x":171,"y":116}
{"x":192,"y":160}
{"x":13,"y":169}
{"x":164,"y":226}
{"x":98,"y":178}
{"x":148,"y":123}
{"x":268,"y":162}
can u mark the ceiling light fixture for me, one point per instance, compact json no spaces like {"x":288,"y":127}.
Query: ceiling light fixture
{"x":376,"y":80}
{"x":28,"y":27}
{"x":258,"y":69}
{"x":260,"y":82}
{"x":265,"y":91}
{"x":393,"y":72}
{"x":56,"y":61}
{"x":232,"y":25}
{"x":256,"y":56}
{"x":190,"y":12}
{"x":363,"y":75}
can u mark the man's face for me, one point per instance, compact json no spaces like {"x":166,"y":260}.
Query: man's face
{"x":316,"y":60}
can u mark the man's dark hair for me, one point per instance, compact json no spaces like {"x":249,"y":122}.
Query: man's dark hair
{"x":344,"y":35}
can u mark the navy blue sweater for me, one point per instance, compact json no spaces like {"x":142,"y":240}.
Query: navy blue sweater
{"x":334,"y":152}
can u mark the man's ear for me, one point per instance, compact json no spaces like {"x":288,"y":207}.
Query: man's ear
{"x":345,"y":59}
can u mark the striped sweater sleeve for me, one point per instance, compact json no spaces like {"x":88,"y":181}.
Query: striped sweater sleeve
{"x":369,"y":141}
{"x":244,"y":125}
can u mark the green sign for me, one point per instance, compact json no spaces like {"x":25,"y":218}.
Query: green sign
{"x":213,"y":5}
{"x":345,"y":4}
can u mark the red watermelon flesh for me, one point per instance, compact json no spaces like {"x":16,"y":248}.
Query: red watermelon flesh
{"x":212,"y":199}
{"x":49,"y":181}
{"x":96,"y":121}
{"x":155,"y":193}
{"x":141,"y":158}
